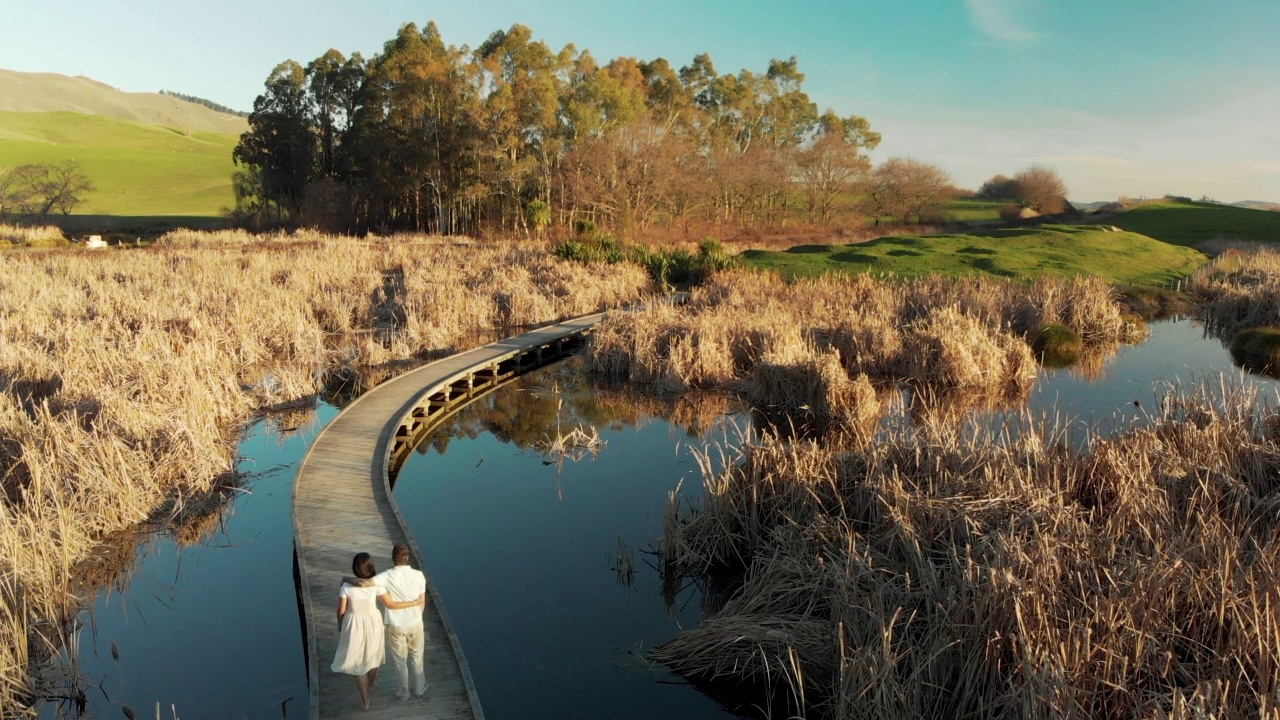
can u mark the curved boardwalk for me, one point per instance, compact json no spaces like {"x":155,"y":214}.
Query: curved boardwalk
{"x":342,"y":504}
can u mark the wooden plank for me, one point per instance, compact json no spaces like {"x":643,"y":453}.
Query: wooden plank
{"x":342,"y":504}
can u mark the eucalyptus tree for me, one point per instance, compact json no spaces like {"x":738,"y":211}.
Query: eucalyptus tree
{"x":281,"y":142}
{"x":414,"y":132}
{"x":519,"y":119}
{"x":333,"y":88}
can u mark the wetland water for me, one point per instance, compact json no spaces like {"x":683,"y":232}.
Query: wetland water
{"x":525,"y":554}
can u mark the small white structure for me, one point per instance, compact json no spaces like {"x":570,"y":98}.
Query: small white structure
{"x":95,"y":242}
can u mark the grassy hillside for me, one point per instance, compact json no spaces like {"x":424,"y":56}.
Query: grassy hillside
{"x":1191,"y":223}
{"x":1061,"y":249}
{"x":139,"y":170}
{"x":50,"y":92}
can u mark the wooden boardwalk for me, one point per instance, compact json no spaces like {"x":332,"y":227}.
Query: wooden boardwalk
{"x":342,"y":505}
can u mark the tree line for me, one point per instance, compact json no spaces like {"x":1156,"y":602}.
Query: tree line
{"x":216,"y":107}
{"x":513,"y":136}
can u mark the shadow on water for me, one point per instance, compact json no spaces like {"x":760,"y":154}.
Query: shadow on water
{"x":546,"y":561}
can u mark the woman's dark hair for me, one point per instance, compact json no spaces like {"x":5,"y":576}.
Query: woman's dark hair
{"x":362,"y":566}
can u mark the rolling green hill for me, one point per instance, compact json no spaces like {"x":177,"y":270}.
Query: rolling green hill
{"x":138,"y":169}
{"x":1024,"y":253}
{"x":1191,"y":223}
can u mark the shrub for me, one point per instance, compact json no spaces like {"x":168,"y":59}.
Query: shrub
{"x":583,"y":226}
{"x":1010,"y":212}
{"x":576,"y":251}
{"x":1258,"y":348}
{"x":1056,"y":345}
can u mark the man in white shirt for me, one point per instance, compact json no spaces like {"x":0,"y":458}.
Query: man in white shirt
{"x":405,"y":636}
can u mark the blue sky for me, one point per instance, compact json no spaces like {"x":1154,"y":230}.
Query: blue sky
{"x":1122,"y":97}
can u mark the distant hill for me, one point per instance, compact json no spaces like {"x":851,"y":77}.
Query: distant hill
{"x":1091,"y":206}
{"x":50,"y":92}
{"x":1190,"y":223}
{"x":1258,"y":205}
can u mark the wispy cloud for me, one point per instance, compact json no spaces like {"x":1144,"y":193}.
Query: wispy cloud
{"x":999,"y":20}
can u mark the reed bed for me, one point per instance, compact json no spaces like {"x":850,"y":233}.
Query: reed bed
{"x":126,"y":376}
{"x":31,"y":234}
{"x":950,"y":571}
{"x":961,"y":334}
{"x":1239,"y":290}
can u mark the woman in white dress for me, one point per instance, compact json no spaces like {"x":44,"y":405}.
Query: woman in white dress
{"x":361,"y":639}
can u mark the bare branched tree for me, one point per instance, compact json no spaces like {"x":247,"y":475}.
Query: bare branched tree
{"x":1041,"y":189}
{"x":39,"y":190}
{"x":828,"y":171}
{"x":903,"y":190}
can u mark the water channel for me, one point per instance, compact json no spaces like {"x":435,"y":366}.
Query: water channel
{"x":541,"y":564}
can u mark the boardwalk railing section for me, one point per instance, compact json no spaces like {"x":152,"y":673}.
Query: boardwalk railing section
{"x":450,"y":395}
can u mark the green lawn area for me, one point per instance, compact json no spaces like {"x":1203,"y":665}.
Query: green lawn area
{"x":138,"y":170}
{"x":974,"y":210}
{"x":1191,"y":223}
{"x":1016,"y":252}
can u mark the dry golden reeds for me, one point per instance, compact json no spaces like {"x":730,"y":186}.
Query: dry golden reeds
{"x":125,"y":377}
{"x":963,"y":334}
{"x":1239,"y":290}
{"x":31,"y":234}
{"x":942,"y":573}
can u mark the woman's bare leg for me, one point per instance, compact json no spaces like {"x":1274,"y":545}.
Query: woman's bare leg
{"x":373,"y":679}
{"x":362,"y":684}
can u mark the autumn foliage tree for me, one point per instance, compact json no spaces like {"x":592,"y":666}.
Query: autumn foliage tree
{"x":432,"y":137}
{"x":832,"y":164}
{"x":999,"y":187}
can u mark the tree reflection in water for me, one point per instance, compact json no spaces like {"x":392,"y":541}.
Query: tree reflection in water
{"x":564,"y":397}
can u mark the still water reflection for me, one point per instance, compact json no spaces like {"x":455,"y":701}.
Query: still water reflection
{"x":207,"y":629}
{"x":530,"y":555}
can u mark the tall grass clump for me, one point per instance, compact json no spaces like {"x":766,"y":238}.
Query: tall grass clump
{"x":125,"y":378}
{"x":947,"y":572}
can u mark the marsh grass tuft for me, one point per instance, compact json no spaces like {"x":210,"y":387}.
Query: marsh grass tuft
{"x":1056,"y":345}
{"x":1239,"y":290}
{"x":33,"y":235}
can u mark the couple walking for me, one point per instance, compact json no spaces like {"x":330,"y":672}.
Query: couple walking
{"x":362,"y":643}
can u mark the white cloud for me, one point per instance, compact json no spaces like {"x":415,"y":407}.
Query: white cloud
{"x":998,"y":20}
